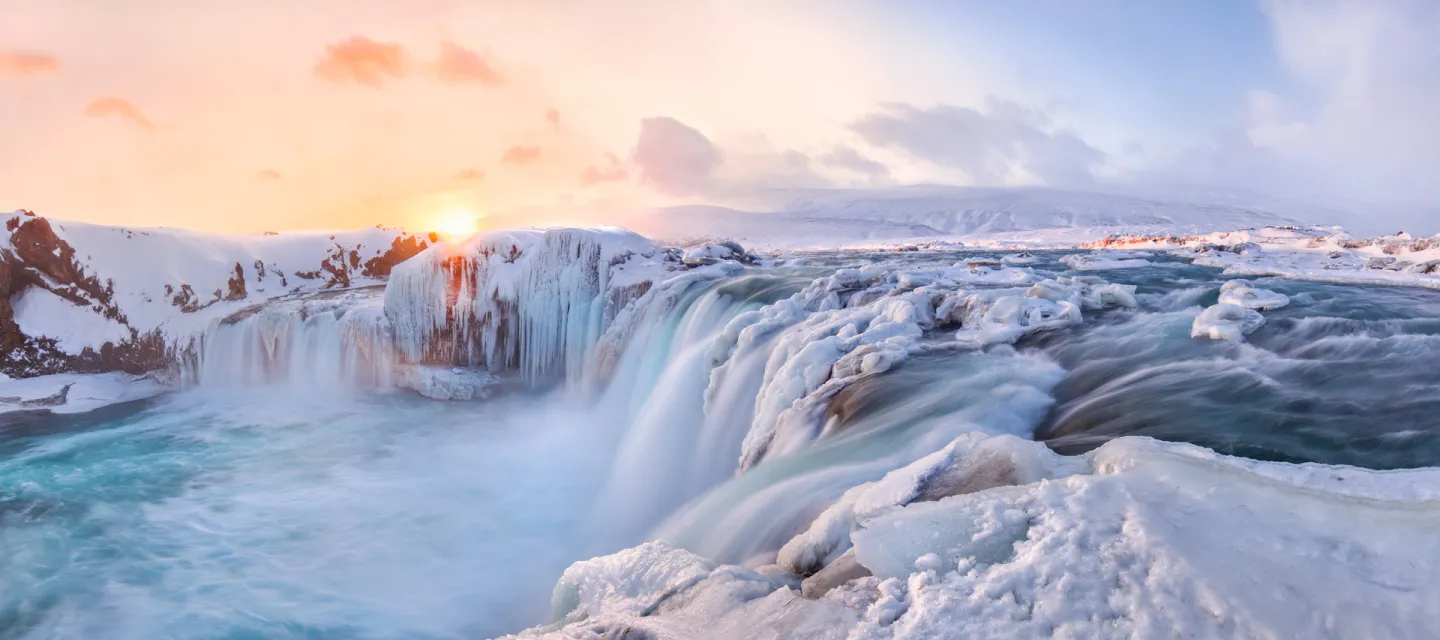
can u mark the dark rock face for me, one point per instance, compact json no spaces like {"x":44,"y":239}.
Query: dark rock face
{"x":236,"y":284}
{"x":402,"y":249}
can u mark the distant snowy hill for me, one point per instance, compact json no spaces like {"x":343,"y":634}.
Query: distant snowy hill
{"x":967,"y":210}
{"x":821,"y":217}
{"x":84,"y":297}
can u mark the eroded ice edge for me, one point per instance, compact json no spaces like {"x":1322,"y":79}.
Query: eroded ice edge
{"x":967,"y":528}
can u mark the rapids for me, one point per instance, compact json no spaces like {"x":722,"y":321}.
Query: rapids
{"x":293,"y":492}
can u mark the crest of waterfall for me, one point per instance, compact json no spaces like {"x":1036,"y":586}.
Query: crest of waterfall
{"x":341,"y":340}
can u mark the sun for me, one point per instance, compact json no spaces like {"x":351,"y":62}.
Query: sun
{"x":456,"y":223}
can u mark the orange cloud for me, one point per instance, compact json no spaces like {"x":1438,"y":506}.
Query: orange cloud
{"x":615,"y":172}
{"x":553,"y":117}
{"x":16,"y":64}
{"x":363,"y":61}
{"x":458,"y":64}
{"x":269,"y":175}
{"x":469,"y":175}
{"x":111,"y":106}
{"x":520,"y":155}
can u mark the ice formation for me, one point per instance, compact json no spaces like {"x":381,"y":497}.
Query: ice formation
{"x":1226,"y":322}
{"x":528,"y":300}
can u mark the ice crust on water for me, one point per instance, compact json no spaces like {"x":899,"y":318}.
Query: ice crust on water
{"x":861,"y":322}
{"x":1226,"y":322}
{"x":1138,"y":538}
{"x":1244,"y":293}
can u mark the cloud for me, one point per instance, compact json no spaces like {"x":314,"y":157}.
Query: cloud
{"x":614,"y":171}
{"x":674,"y":157}
{"x":269,"y":175}
{"x":362,"y":61}
{"x":1004,"y":144}
{"x":851,"y":160}
{"x":469,"y":175}
{"x":458,"y":64}
{"x":1366,"y":124}
{"x":111,"y":106}
{"x":16,"y":64}
{"x":553,"y":117}
{"x":520,"y":155}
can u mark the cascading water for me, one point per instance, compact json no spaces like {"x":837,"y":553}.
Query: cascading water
{"x":720,"y":408}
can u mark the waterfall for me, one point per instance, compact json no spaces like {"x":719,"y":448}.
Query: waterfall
{"x":733,"y":397}
{"x":342,"y":341}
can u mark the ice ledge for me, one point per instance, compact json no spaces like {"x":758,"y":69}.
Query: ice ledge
{"x":1138,"y":538}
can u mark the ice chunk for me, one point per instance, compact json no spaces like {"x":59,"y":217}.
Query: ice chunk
{"x":446,"y":383}
{"x":978,"y":528}
{"x":1226,"y":322}
{"x":1243,"y":293}
{"x":632,"y":581}
{"x":1102,"y":262}
{"x":971,"y":463}
{"x":1009,"y":318}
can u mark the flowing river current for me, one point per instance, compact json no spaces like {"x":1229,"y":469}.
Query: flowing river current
{"x":307,"y":507}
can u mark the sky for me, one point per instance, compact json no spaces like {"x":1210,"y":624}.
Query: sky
{"x":271,"y":114}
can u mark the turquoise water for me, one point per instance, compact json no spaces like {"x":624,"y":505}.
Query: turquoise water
{"x":272,"y":515}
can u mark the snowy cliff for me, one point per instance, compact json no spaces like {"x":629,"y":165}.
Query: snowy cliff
{"x":83,"y":297}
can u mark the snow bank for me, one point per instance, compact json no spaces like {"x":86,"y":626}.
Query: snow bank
{"x":1138,"y":538}
{"x":1226,"y":322}
{"x":529,"y":300}
{"x":1322,"y":254}
{"x":75,"y":328}
{"x":75,"y":392}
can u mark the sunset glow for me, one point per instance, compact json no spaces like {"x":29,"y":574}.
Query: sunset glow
{"x":456,"y":224}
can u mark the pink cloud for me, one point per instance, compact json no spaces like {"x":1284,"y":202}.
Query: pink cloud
{"x":458,"y":64}
{"x":469,"y":175}
{"x":269,"y":175}
{"x":363,"y":61}
{"x":553,"y":117}
{"x":520,"y":155}
{"x":613,"y":172}
{"x":17,"y":64}
{"x":111,"y":106}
